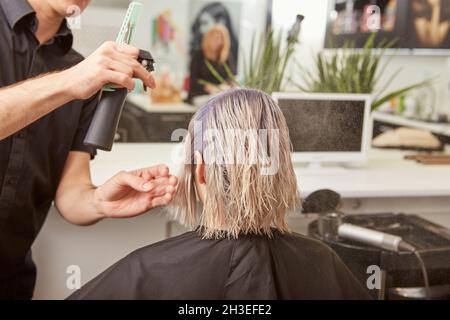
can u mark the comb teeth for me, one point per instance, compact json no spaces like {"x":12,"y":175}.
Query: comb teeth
{"x":129,"y":22}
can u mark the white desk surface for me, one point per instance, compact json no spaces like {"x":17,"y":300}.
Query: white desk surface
{"x":386,"y":175}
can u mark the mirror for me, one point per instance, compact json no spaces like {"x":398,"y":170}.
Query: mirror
{"x":180,"y":34}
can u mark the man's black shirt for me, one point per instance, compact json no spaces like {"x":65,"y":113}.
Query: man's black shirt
{"x":32,"y":160}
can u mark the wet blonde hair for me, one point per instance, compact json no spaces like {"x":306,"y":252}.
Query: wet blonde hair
{"x":209,"y":53}
{"x":242,"y":196}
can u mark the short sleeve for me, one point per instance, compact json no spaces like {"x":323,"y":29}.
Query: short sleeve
{"x":86,"y":116}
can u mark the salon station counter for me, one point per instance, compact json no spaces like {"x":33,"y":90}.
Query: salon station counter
{"x":388,"y":183}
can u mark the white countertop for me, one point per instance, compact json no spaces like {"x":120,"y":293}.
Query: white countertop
{"x":386,"y":175}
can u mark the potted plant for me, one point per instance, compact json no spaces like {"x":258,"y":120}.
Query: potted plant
{"x":266,"y":65}
{"x":351,"y":70}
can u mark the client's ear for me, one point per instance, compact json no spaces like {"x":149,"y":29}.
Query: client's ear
{"x":199,"y":168}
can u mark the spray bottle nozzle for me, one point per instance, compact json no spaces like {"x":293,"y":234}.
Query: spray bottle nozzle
{"x":145,"y":58}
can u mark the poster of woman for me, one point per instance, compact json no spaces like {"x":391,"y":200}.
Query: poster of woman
{"x":431,"y":24}
{"x":214,"y":37}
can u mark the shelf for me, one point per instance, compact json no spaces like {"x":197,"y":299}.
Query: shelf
{"x":360,"y":4}
{"x":358,"y":38}
{"x":436,"y":128}
{"x":400,"y":31}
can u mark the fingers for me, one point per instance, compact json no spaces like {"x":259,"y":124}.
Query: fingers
{"x":128,"y":50}
{"x":161,"y":186}
{"x":173,"y":181}
{"x":161,"y":201}
{"x":138,"y":70}
{"x":119,"y":66}
{"x":122,"y":58}
{"x":161,"y":194}
{"x":119,"y":78}
{"x":153,"y":186}
{"x":129,"y":54}
{"x":133,"y":181}
{"x":146,"y":77}
{"x":155,"y":171}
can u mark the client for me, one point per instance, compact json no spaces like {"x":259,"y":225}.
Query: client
{"x":238,"y":165}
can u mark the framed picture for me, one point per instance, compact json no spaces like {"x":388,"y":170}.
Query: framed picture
{"x":413,"y":24}
{"x":430,"y":24}
{"x":204,"y":14}
{"x":221,"y":32}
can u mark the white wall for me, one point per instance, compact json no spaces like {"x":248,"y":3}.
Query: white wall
{"x":415,"y":68}
{"x":93,"y":249}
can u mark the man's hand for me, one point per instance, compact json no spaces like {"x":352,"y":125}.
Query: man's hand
{"x":23,"y":103}
{"x":129,"y":194}
{"x":111,"y":63}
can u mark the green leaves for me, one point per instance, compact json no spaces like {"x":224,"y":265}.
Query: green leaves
{"x":351,"y":70}
{"x":347,"y":70}
{"x":266,"y":65}
{"x":400,"y":92}
{"x":214,"y":72}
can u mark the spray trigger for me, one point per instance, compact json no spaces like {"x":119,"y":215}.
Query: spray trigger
{"x":146,"y":60}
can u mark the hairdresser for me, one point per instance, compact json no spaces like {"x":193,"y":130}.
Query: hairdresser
{"x":48,"y":95}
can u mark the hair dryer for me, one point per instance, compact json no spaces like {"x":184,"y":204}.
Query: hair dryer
{"x":375,"y":238}
{"x":326,"y":203}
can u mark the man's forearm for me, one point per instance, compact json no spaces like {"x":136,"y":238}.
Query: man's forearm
{"x":23,"y":103}
{"x":78,"y":206}
{"x":74,"y":198}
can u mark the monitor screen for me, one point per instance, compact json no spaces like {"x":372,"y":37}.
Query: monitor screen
{"x":324,"y":125}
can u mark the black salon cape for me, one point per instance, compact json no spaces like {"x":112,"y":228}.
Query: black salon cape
{"x":287,"y":266}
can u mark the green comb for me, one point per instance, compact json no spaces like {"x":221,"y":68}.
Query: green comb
{"x":127,"y":30}
{"x":129,"y":23}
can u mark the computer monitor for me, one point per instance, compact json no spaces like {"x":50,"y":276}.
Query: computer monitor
{"x":327,"y":127}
